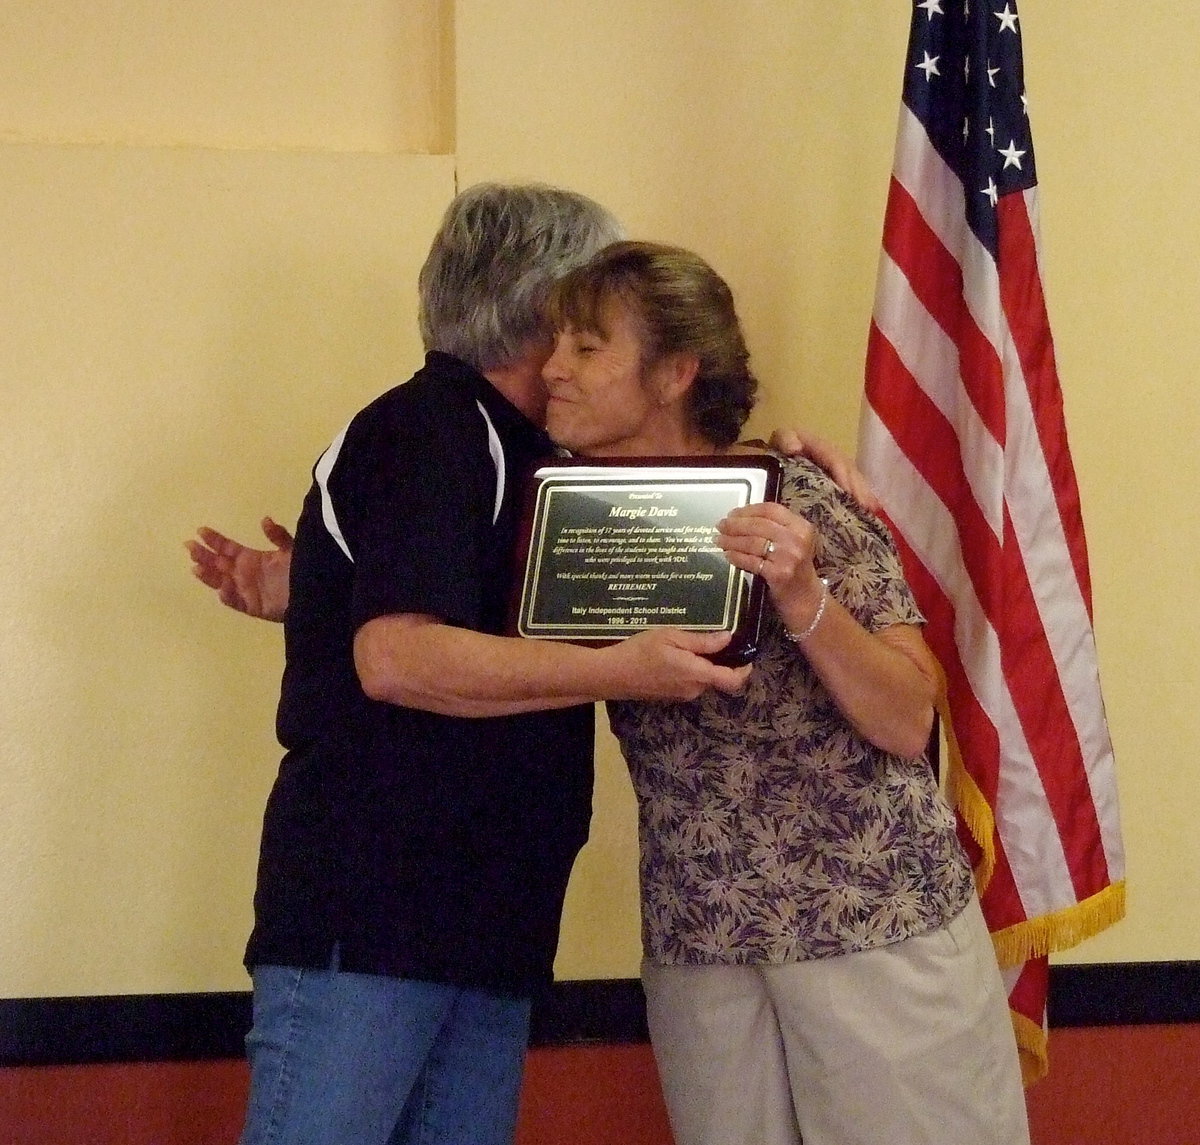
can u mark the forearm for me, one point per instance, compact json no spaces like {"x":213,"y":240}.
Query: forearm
{"x":454,"y":671}
{"x":419,"y":662}
{"x":884,"y":683}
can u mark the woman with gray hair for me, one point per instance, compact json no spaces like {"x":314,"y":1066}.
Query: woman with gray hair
{"x":484,"y":284}
{"x":414,"y":861}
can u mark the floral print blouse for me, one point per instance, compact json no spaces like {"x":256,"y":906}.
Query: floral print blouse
{"x":770,"y":831}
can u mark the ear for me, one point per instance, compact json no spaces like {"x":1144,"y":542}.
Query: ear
{"x":675,"y":374}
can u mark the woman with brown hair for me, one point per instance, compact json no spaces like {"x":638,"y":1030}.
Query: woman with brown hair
{"x":816,"y":965}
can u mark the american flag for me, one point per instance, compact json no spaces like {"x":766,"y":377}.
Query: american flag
{"x":963,"y":436}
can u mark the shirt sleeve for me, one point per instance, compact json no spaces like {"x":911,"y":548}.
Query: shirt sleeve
{"x":410,"y":498}
{"x":857,"y":555}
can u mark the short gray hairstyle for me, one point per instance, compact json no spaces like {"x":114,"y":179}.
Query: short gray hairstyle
{"x":500,"y":249}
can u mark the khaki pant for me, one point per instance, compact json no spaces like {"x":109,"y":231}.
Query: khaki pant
{"x":910,"y":1044}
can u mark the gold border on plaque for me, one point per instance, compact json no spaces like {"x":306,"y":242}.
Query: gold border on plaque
{"x":612,"y":549}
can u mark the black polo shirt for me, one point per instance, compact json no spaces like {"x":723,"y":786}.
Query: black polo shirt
{"x":420,"y":845}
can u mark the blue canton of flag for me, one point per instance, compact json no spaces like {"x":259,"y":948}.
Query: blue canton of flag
{"x":965,"y":82}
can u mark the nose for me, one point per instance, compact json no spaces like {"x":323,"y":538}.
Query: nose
{"x":555,"y":368}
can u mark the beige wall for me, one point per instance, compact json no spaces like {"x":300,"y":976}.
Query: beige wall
{"x":209,"y":266}
{"x":272,"y":75}
{"x":212,"y":222}
{"x":761,"y":133}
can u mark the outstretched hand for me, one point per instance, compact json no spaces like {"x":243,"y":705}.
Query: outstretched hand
{"x":253,"y":581}
{"x":840,"y":466}
{"x":672,"y":664}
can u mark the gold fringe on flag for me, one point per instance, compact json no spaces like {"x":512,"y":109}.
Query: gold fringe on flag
{"x":1061,"y":929}
{"x":966,"y":798}
{"x":1035,"y":937}
{"x":1031,"y":1048}
{"x":1047,"y":933}
{"x":1041,"y":936}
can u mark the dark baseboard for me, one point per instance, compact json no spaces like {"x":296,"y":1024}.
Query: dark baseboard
{"x":206,"y":1027}
{"x":123,"y":1028}
{"x":1124,"y":994}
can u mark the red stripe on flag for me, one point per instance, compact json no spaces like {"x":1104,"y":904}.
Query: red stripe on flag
{"x":1002,"y":585}
{"x":1027,"y":997}
{"x":1037,"y":694}
{"x":971,"y":721}
{"x":928,"y":440}
{"x":1041,"y":707}
{"x":1027,"y":1001}
{"x":1025,"y":308}
{"x":936,"y":279}
{"x":996,"y":570}
{"x":1001,"y":900}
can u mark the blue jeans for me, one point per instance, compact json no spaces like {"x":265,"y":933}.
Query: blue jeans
{"x":362,"y":1059}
